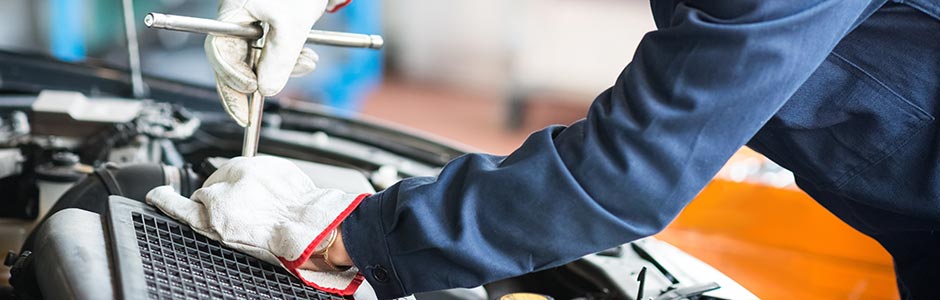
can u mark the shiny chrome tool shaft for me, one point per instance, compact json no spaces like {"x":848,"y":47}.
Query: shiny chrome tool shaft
{"x":255,"y":100}
{"x":254,"y":31}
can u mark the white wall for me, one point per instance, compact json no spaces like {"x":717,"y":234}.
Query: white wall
{"x":545,"y":45}
{"x":18,"y":33}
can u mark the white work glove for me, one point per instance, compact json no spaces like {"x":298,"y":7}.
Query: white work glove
{"x":283,"y":55}
{"x":268,"y":208}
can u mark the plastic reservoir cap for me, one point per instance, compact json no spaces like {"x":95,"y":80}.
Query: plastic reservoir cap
{"x":80,"y":108}
{"x":525,"y":296}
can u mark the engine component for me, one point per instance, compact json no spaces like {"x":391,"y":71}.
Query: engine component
{"x":525,"y":296}
{"x":18,"y":183}
{"x":19,"y":204}
{"x":689,"y":292}
{"x":55,"y":177}
{"x":71,"y":114}
{"x":11,"y":162}
{"x":166,"y":121}
{"x":71,"y":237}
{"x":19,"y":123}
{"x":90,"y":194}
{"x":15,"y":126}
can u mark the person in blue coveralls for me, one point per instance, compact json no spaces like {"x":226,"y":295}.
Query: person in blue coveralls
{"x":844,"y":93}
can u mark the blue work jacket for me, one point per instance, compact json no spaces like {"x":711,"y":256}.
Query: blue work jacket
{"x":844,"y":93}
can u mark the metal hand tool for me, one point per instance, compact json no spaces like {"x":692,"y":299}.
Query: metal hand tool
{"x":255,"y":34}
{"x":254,"y":31}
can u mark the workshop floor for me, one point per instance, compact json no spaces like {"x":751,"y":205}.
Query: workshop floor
{"x":777,"y":243}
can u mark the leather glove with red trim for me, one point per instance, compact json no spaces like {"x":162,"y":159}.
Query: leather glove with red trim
{"x":268,"y":208}
{"x":283,"y":55}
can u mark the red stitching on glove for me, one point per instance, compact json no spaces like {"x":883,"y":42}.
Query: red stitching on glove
{"x":294,"y":265}
{"x":349,"y":290}
{"x":336,"y":8}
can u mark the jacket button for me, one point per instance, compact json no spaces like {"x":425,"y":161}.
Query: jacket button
{"x":380,"y":274}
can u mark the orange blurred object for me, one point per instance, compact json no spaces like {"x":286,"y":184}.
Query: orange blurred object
{"x":780,"y":244}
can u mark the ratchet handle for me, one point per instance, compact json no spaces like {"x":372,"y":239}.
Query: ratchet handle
{"x":254,"y":31}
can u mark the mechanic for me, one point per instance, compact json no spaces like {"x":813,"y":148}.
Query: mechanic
{"x":844,"y":93}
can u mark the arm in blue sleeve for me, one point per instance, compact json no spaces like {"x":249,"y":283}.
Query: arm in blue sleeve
{"x":695,"y":92}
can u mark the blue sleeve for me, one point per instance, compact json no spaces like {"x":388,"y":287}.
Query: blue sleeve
{"x":698,"y":88}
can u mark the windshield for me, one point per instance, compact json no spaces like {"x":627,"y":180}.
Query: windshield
{"x":93,"y":31}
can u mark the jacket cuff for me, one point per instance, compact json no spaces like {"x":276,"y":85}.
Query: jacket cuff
{"x":353,"y":279}
{"x":364,"y":237}
{"x":335,"y":5}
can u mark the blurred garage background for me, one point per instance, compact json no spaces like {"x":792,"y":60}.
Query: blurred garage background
{"x":485,"y":73}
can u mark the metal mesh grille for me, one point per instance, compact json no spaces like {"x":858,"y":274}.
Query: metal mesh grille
{"x":181,"y":264}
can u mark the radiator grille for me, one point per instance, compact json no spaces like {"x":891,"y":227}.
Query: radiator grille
{"x":181,"y":264}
